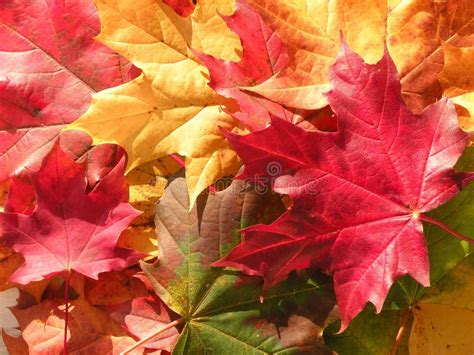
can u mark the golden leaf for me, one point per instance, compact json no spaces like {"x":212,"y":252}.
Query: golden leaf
{"x":417,"y":32}
{"x":311,"y":31}
{"x":169,"y":108}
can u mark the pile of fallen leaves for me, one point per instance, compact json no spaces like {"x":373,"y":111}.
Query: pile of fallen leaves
{"x":254,"y":177}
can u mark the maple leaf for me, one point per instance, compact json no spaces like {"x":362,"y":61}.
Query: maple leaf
{"x":147,"y":183}
{"x":8,"y":298}
{"x":447,"y":302}
{"x":417,"y":32}
{"x":163,"y":111}
{"x":210,"y":33}
{"x":310,"y":31}
{"x":90,"y":329}
{"x":70,"y":229}
{"x":457,"y":81}
{"x":146,"y":315}
{"x":50,"y":67}
{"x":359,"y":194}
{"x":221,"y":310}
{"x":110,"y":289}
{"x":263,"y":55}
{"x":21,"y":196}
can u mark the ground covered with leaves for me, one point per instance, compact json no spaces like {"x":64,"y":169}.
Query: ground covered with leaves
{"x":236,"y":177}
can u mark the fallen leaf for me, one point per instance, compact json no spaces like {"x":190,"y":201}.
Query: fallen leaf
{"x":50,"y":67}
{"x":359,"y":194}
{"x":222,"y":310}
{"x":418,"y":31}
{"x":8,"y":322}
{"x":42,"y":327}
{"x":210,"y":33}
{"x":146,"y":316}
{"x":444,"y":317}
{"x":368,"y":334}
{"x":70,"y":229}
{"x":163,"y":111}
{"x":457,"y":81}
{"x":109,"y":345}
{"x":21,"y":196}
{"x":451,"y":283}
{"x":146,"y":184}
{"x":263,"y":55}
{"x":113,"y":288}
{"x":312,"y":39}
{"x":456,"y":77}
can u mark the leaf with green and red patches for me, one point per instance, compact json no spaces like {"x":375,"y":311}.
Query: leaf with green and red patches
{"x":359,"y":194}
{"x":221,"y":310}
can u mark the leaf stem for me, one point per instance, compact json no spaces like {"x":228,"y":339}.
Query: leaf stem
{"x":152,"y":335}
{"x":445,"y":228}
{"x":66,"y":299}
{"x":401,"y":330}
{"x":177,"y":159}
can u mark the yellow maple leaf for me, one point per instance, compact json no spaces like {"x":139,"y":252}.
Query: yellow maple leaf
{"x":169,"y":108}
{"x":443,"y":327}
{"x":311,"y":31}
{"x":444,"y":318}
{"x":210,"y":33}
{"x":457,"y":80}
{"x":418,"y":30}
{"x":146,"y":186}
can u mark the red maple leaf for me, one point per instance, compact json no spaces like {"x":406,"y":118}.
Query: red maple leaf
{"x":51,"y":65}
{"x":99,"y":161}
{"x":70,"y":229}
{"x":358,"y":194}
